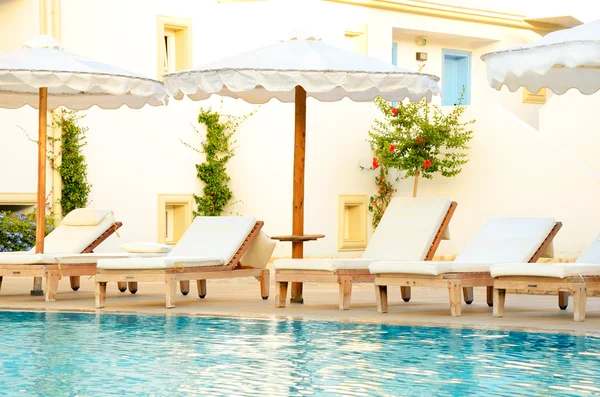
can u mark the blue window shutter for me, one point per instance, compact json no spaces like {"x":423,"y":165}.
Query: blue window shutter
{"x":395,"y":62}
{"x":456,"y":74}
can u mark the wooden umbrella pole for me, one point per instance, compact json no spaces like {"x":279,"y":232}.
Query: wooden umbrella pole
{"x":299,"y":161}
{"x":41,"y":188}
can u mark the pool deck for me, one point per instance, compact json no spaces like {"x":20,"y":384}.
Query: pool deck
{"x":241,"y":298}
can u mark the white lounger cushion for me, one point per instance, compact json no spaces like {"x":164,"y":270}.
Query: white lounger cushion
{"x":209,"y":241}
{"x":157,"y":263}
{"x":85,"y":217}
{"x":146,"y":248}
{"x":500,"y":240}
{"x":592,"y":253}
{"x":214,"y":237}
{"x":26,"y":258}
{"x":405,"y":232}
{"x":323,"y":264}
{"x":588,"y":264}
{"x":88,"y":259}
{"x":407,"y":228}
{"x":73,"y":239}
{"x":429,"y":268}
{"x":556,"y":270}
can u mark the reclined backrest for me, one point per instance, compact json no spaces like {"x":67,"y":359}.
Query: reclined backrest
{"x":214,"y":237}
{"x":80,"y":228}
{"x":407,"y":228}
{"x":592,"y":253}
{"x":507,"y":240}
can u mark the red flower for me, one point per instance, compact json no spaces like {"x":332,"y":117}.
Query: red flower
{"x":375,"y":163}
{"x":419,"y":140}
{"x":394,"y":111}
{"x":427,"y":163}
{"x":392,"y":148}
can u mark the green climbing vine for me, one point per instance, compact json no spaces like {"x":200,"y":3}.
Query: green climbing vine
{"x":73,"y":167}
{"x":218,"y":148}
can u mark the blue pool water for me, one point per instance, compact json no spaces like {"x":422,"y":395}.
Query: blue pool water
{"x":63,"y":354}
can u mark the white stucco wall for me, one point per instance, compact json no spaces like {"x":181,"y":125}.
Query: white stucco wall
{"x":18,"y":161}
{"x":134,"y":155}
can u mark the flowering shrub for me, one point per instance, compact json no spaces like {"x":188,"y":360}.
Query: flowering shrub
{"x":17,"y":231}
{"x":419,"y":139}
{"x":385,"y":189}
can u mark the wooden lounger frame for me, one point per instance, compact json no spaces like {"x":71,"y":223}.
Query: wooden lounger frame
{"x":578,"y":286}
{"x":171,"y":276}
{"x":455,"y":282}
{"x":345,"y":278}
{"x":54,"y":272}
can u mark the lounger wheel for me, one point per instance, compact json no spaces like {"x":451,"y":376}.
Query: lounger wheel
{"x":265,"y":298}
{"x":563,"y":299}
{"x":468,"y":295}
{"x":123,"y":289}
{"x":75,"y":282}
{"x":133,"y":286}
{"x":490,"y":304}
{"x":184,"y":287}
{"x":405,"y":293}
{"x":201,"y":288}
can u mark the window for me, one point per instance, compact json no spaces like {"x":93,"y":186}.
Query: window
{"x":170,"y":52}
{"x":352,"y":222}
{"x":356,"y":39}
{"x":174,"y":44}
{"x":174,"y":216}
{"x":456,"y":75}
{"x":18,"y":202}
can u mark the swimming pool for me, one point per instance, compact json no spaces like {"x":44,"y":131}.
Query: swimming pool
{"x":62,"y":354}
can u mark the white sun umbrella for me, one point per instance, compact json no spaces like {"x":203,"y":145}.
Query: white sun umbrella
{"x":44,"y":76}
{"x":559,"y":61}
{"x":291,"y":71}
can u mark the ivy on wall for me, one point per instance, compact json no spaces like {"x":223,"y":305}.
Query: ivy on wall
{"x":73,"y":167}
{"x":218,"y":149}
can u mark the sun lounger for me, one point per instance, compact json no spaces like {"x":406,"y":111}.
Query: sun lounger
{"x":211,"y":248}
{"x":577,"y":279}
{"x":410,"y":229}
{"x":498,"y":240}
{"x":81,"y":231}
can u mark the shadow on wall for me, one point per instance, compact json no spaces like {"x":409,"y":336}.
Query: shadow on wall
{"x":514,"y":170}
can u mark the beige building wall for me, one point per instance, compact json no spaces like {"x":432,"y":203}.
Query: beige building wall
{"x":136,"y":155}
{"x":19,"y":22}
